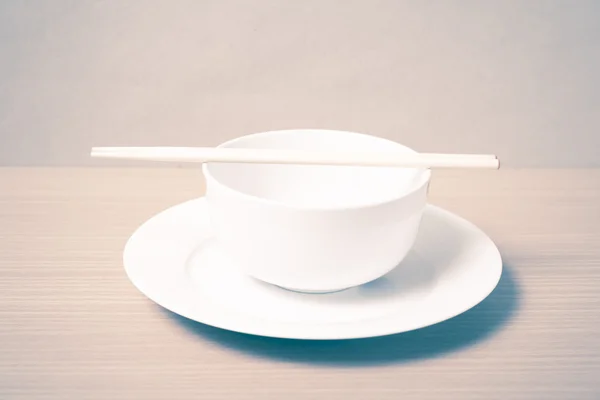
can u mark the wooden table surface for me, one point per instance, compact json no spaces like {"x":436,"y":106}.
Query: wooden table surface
{"x":73,"y":327}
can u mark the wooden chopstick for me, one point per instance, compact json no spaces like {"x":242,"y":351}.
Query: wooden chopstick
{"x":286,"y":156}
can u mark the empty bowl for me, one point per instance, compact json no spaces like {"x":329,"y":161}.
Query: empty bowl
{"x":313,"y":228}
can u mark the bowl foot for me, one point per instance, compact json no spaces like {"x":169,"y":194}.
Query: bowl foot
{"x":312,"y":291}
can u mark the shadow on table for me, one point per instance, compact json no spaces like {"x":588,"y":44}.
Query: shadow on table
{"x":465,"y":330}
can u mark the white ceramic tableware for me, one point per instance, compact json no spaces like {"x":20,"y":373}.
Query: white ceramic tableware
{"x":173,"y":259}
{"x":314,"y":228}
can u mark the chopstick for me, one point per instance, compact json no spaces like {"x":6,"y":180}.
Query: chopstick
{"x":286,"y":156}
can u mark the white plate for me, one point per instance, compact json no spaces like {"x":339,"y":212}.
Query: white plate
{"x":172,"y":259}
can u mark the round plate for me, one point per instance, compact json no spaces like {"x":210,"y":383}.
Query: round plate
{"x":174,"y":261}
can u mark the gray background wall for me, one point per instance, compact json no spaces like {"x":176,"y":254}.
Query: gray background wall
{"x":517,"y":78}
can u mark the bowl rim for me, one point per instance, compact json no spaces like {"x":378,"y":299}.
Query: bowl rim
{"x":423,"y":176}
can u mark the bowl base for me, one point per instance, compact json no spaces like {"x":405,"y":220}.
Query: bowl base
{"x":304,"y":291}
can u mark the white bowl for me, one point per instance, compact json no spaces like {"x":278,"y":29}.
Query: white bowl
{"x":315,"y":228}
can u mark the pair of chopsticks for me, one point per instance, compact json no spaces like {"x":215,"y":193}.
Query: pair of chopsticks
{"x":285,"y":156}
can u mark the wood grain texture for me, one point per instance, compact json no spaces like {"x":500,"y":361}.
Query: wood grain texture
{"x":73,"y":327}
